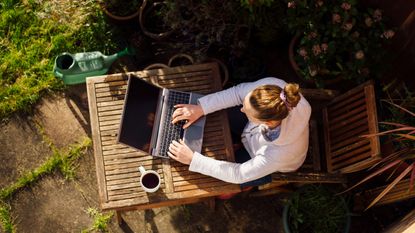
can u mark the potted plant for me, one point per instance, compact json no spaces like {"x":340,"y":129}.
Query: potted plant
{"x":315,"y":208}
{"x":203,"y":26}
{"x":121,"y":10}
{"x":152,"y":21}
{"x":336,"y":39}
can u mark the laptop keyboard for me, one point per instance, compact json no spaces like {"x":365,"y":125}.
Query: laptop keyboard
{"x":172,"y":131}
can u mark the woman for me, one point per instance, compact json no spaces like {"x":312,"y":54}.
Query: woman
{"x":275,"y":137}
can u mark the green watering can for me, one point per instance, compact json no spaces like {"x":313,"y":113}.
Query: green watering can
{"x":75,"y":68}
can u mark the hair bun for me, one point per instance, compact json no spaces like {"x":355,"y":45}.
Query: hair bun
{"x":292,"y":94}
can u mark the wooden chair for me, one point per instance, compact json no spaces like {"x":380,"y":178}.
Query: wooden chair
{"x":346,"y":118}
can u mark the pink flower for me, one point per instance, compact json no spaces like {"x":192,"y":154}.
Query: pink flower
{"x":312,"y":35}
{"x":368,"y":21}
{"x":346,"y":6}
{"x":319,"y":3}
{"x":303,"y":52}
{"x":336,"y":18}
{"x":291,"y":4}
{"x":348,"y":26}
{"x":359,"y":55}
{"x":324,"y":47}
{"x":316,"y":50}
{"x":377,"y":15}
{"x":388,"y":34}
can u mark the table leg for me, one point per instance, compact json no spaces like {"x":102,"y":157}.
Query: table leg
{"x":120,"y":221}
{"x":211,"y":203}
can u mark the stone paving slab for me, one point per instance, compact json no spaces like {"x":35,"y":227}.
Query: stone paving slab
{"x":22,"y":149}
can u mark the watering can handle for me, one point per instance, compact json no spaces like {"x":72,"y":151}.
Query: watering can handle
{"x":59,"y":75}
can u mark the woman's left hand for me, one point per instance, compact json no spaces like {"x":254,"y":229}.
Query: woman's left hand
{"x":180,"y":152}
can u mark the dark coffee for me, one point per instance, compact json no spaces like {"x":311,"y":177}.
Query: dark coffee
{"x":150,"y":180}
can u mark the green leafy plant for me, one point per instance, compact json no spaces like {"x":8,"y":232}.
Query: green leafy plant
{"x":6,"y":219}
{"x":200,"y":25}
{"x":314,"y":208}
{"x":401,"y":129}
{"x":100,"y":222}
{"x":337,"y":38}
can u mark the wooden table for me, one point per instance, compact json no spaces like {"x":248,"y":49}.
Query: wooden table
{"x":117,"y":164}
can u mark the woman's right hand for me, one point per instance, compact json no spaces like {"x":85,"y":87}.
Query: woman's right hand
{"x":187,"y":112}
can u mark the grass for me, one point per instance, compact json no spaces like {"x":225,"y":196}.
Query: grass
{"x":6,"y":219}
{"x":30,"y":39}
{"x":100,"y":222}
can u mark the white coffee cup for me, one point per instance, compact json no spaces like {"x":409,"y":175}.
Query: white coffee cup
{"x":149,"y":180}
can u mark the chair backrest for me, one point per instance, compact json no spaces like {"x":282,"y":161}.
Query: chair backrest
{"x":345,"y":120}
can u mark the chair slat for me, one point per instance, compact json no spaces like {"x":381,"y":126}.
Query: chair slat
{"x":345,"y":120}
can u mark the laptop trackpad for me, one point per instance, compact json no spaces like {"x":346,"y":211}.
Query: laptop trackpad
{"x":193,"y":136}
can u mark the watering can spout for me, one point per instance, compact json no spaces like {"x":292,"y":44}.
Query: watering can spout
{"x":127,"y":51}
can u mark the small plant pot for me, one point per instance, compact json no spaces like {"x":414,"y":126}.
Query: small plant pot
{"x":317,"y":210}
{"x":116,"y":14}
{"x":156,"y":66}
{"x":150,"y":22}
{"x":180,"y":59}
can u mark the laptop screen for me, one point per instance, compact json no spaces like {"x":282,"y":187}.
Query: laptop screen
{"x":139,"y":113}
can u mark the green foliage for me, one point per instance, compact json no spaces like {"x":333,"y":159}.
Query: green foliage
{"x":202,"y":24}
{"x":404,"y":98}
{"x":100,"y":220}
{"x":6,"y":219}
{"x":314,"y":208}
{"x":64,"y":162}
{"x":95,"y":34}
{"x":30,"y":41}
{"x":338,"y":38}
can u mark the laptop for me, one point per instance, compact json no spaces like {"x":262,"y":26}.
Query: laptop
{"x":147,"y":115}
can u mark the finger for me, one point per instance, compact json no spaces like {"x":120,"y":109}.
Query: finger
{"x":175,"y":143}
{"x":176,"y":112}
{"x":172,"y":155}
{"x":179,"y":118}
{"x":181,"y":141}
{"x":180,"y":105}
{"x":172,"y":147}
{"x":188,"y":123}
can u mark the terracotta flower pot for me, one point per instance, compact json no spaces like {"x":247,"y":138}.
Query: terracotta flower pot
{"x":116,"y":16}
{"x":147,"y":10}
{"x":291,"y":56}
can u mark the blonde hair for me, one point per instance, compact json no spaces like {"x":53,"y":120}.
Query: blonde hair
{"x":266,"y":101}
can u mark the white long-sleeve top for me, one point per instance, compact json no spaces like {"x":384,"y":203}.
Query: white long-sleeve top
{"x":284,"y":154}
